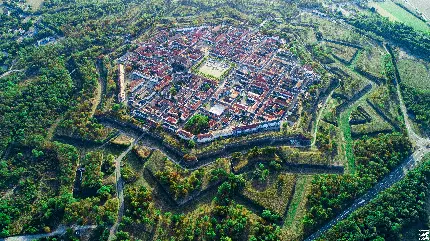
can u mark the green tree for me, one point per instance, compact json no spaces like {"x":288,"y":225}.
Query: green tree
{"x":197,"y":124}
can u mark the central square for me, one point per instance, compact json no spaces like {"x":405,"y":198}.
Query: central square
{"x":213,"y":68}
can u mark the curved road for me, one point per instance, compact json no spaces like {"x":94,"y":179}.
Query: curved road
{"x":59,"y":231}
{"x":120,"y":187}
{"x":422,"y":147}
{"x":395,"y":176}
{"x":10,"y":72}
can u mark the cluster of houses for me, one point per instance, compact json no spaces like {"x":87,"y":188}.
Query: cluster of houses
{"x":260,"y":92}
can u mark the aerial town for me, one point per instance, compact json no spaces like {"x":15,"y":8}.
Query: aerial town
{"x":242,"y":80}
{"x":254,"y":120}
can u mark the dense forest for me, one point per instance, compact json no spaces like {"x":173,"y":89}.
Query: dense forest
{"x":386,"y":217}
{"x":374,"y":157}
{"x":399,"y":33}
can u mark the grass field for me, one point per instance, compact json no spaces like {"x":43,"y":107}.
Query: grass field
{"x":370,"y":61}
{"x":414,"y":74}
{"x":293,"y":155}
{"x":329,"y":113}
{"x":297,"y":199}
{"x":343,"y":52}
{"x":35,"y":4}
{"x":346,"y":129}
{"x":396,"y":13}
{"x":351,"y":83}
{"x":293,"y":225}
{"x":334,"y":31}
{"x":375,"y":126}
{"x":422,"y":6}
{"x":273,"y":194}
{"x":385,"y":100}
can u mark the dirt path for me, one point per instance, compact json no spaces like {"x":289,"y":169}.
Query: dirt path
{"x":59,"y":231}
{"x":120,"y":187}
{"x":53,"y":127}
{"x":10,"y":72}
{"x":97,"y":97}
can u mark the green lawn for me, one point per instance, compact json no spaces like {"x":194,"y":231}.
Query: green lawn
{"x":214,"y":68}
{"x":414,"y":74}
{"x":346,"y":128}
{"x":396,"y":13}
{"x":35,"y":4}
{"x":370,"y":61}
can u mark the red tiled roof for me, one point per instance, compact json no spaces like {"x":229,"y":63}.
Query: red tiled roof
{"x":203,"y":136}
{"x":185,"y":133}
{"x":172,"y":120}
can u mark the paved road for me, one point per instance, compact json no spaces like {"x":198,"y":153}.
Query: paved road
{"x":395,"y":176}
{"x":59,"y":231}
{"x":422,"y":146}
{"x":10,"y":72}
{"x":120,"y":187}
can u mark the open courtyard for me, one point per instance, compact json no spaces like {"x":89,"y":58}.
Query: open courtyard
{"x":213,"y":68}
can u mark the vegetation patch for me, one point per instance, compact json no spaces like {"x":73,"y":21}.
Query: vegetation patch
{"x":197,"y":124}
{"x":384,"y":99}
{"x":415,"y":89}
{"x":375,"y":126}
{"x":350,"y":84}
{"x":92,"y":175}
{"x":414,"y":74}
{"x":269,"y":159}
{"x":122,"y":140}
{"x":326,"y":139}
{"x":344,"y":53}
{"x":292,"y":155}
{"x":182,"y":184}
{"x":359,"y":116}
{"x":273,"y":194}
{"x":34,"y":4}
{"x":387,"y":210}
{"x":142,"y":151}
{"x":375,"y":157}
{"x":370,"y":63}
{"x":329,"y":114}
{"x":396,"y":13}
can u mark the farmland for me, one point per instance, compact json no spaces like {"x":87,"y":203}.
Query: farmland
{"x":35,"y":4}
{"x":422,"y":6}
{"x":415,"y":74}
{"x":396,"y":13}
